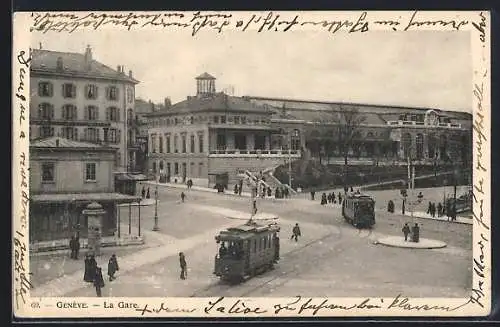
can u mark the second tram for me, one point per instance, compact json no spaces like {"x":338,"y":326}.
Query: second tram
{"x":359,"y":210}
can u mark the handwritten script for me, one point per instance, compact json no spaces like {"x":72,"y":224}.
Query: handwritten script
{"x":219,"y":22}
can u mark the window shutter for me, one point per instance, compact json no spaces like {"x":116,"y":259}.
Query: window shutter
{"x":118,"y":114}
{"x":117,"y":93}
{"x":64,"y":112}
{"x":86,"y":113}
{"x":52,"y":111}
{"x":75,"y":134}
{"x":85,"y":134}
{"x":63,"y":90}
{"x":107,"y":93}
{"x":40,"y":89}
{"x":118,"y":136}
{"x":107,"y":113}
{"x":96,"y":113}
{"x":73,"y":91}
{"x":87,"y":90}
{"x":39,"y":131}
{"x":75,"y":112}
{"x":96,"y":92}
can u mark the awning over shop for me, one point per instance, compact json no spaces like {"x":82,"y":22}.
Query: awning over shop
{"x":84,"y":197}
{"x":132,"y":177}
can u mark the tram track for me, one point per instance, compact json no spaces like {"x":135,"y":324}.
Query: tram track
{"x":221,"y":287}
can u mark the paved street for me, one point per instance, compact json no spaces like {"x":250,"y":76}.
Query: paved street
{"x":331,"y":259}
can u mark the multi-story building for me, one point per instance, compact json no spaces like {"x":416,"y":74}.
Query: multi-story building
{"x":214,"y":134}
{"x":78,"y":98}
{"x":66,"y":176}
{"x":213,"y":137}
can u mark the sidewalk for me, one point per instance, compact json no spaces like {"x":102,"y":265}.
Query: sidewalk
{"x":424,"y":215}
{"x":143,"y":203}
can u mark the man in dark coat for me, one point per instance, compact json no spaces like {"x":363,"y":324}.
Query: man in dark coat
{"x":235,"y":188}
{"x":429,"y":208}
{"x":183,"y":196}
{"x":183,"y":264}
{"x":439,"y":209}
{"x":92,"y":266}
{"x":287,"y":192}
{"x":143,"y":192}
{"x":277,"y":194}
{"x":112,"y":267}
{"x":415,"y":230}
{"x":72,"y":247}
{"x":340,"y":198}
{"x":98,"y":281}
{"x":390,"y":206}
{"x":433,"y":210}
{"x":296,"y":232}
{"x":406,"y":231}
{"x":312,"y":195}
{"x":77,"y":247}
{"x":269,"y":192}
{"x":240,"y":187}
{"x":148,"y":195}
{"x":87,"y":276}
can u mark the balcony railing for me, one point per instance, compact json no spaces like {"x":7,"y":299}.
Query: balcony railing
{"x":256,"y":153}
{"x":421,"y":124}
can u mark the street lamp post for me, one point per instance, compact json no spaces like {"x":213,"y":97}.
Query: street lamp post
{"x":156,"y":228}
{"x":454,"y":212}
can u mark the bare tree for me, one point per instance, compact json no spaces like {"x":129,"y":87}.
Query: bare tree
{"x":347,"y":122}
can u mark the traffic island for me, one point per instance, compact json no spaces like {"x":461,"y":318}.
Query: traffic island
{"x":399,"y":242}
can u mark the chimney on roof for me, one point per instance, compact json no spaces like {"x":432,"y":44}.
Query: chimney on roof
{"x":167,"y":103}
{"x":41,"y":46}
{"x":88,"y":57}
{"x":118,"y":68}
{"x":130,"y":74}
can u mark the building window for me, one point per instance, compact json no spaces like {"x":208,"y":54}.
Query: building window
{"x":222,"y":119}
{"x":48,"y":172}
{"x":153,"y":143}
{"x":112,"y":114}
{"x":176,"y":141}
{"x":113,"y":135}
{"x":45,"y":89}
{"x":200,"y":169}
{"x":243,"y":119}
{"x":69,"y":90}
{"x":90,"y":172}
{"x":191,"y":169}
{"x":216,"y":119}
{"x":46,"y":131}
{"x":200,"y":142}
{"x":160,"y":141}
{"x":176,"y":168}
{"x":91,"y":91}
{"x":184,"y":145}
{"x":167,"y":141}
{"x":112,"y":93}
{"x":91,"y":134}
{"x":154,"y":167}
{"x":236,"y":119}
{"x":130,"y":95}
{"x":69,"y":112}
{"x":192,"y":144}
{"x":45,"y":111}
{"x":70,"y":133}
{"x":91,"y":113}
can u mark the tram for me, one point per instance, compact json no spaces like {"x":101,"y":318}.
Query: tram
{"x":359,"y":210}
{"x":246,"y":251}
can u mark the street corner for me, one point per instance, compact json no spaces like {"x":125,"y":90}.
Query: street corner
{"x":398,"y":241}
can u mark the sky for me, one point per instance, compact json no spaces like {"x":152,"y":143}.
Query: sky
{"x":420,"y":69}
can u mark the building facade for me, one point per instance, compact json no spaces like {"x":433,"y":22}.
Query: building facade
{"x":212,"y":137}
{"x":78,"y":98}
{"x":66,"y":176}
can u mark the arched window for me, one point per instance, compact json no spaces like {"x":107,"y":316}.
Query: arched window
{"x":419,"y":142}
{"x":161,"y":165}
{"x":407,"y":144}
{"x":431,"y":146}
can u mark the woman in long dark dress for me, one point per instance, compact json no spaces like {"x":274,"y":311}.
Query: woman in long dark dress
{"x":87,"y":276}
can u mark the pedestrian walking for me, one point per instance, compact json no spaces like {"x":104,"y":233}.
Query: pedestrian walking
{"x":148,"y":195}
{"x":240,"y":187}
{"x":92,"y":266}
{"x":406,"y":231}
{"x":112,"y":267}
{"x":77,"y":247}
{"x":415,"y":233}
{"x":286,"y":192}
{"x":323,"y":199}
{"x":340,"y":198}
{"x":390,"y":206}
{"x":183,"y":196}
{"x":98,"y":281}
{"x":235,"y":188}
{"x":143,"y":192}
{"x":439,"y":209}
{"x":87,"y":275}
{"x":312,"y":195}
{"x":183,"y":264}
{"x":433,"y":210}
{"x":296,"y":232}
{"x":429,"y":208}
{"x":269,"y":192}
{"x":72,"y":247}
